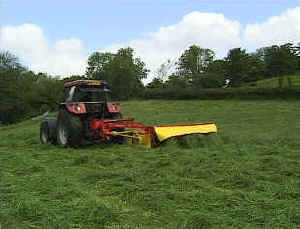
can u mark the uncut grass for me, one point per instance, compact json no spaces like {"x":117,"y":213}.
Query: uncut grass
{"x":247,"y":176}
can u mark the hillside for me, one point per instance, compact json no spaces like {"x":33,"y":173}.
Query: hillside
{"x":246,"y":176}
{"x":273,"y":82}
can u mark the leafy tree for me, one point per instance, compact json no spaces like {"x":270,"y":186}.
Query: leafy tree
{"x":9,"y":60}
{"x":155,"y":83}
{"x":10,"y":70}
{"x":74,"y":78}
{"x":24,"y":93}
{"x":217,"y":66}
{"x":209,"y":80}
{"x":256,"y":67}
{"x":194,"y":61}
{"x":122,"y":71}
{"x":281,"y":61}
{"x":297,"y":50}
{"x":237,"y":65}
{"x":165,"y":69}
{"x":216,"y":74}
{"x":97,"y":62}
{"x":177,"y":82}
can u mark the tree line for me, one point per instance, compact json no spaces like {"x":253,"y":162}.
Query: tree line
{"x":24,"y":93}
{"x":198,"y":68}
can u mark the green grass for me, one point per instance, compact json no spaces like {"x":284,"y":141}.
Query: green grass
{"x":246,"y":176}
{"x":274,"y":83}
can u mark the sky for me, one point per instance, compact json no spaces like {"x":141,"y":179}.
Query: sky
{"x":57,"y":36}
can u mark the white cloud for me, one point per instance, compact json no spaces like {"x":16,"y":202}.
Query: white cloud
{"x":275,"y":30}
{"x":208,"y":30}
{"x":214,"y":31}
{"x":28,"y":41}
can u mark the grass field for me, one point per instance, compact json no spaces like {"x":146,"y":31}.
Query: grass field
{"x":274,"y":83}
{"x":246,"y":176}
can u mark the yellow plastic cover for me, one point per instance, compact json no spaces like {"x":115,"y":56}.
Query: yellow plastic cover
{"x":165,"y":132}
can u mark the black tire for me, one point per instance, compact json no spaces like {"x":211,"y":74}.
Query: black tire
{"x":44,"y":133}
{"x":48,"y":131}
{"x":69,"y":129}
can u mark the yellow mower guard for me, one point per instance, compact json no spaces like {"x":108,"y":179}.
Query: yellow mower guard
{"x":168,"y":131}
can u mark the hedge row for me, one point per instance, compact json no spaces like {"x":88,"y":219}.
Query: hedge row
{"x":223,"y":93}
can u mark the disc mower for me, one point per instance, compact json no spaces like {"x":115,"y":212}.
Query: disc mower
{"x":87,"y":114}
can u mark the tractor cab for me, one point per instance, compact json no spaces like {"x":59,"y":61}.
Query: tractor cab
{"x":86,"y":91}
{"x":90,"y":97}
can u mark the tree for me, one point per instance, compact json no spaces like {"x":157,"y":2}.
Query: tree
{"x":216,"y":74}
{"x":155,"y":83}
{"x":122,"y":71}
{"x":10,"y":70}
{"x":297,"y":52}
{"x":209,"y":80}
{"x":281,"y":61}
{"x":237,"y":66}
{"x":176,"y":82}
{"x":24,"y":93}
{"x":97,"y":62}
{"x":9,"y":60}
{"x":194,"y":61}
{"x":74,"y":78}
{"x":256,"y":67}
{"x":165,"y":69}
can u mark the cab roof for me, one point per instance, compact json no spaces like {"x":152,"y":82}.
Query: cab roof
{"x":85,"y":83}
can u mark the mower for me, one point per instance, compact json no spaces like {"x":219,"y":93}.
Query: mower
{"x":86,"y":114}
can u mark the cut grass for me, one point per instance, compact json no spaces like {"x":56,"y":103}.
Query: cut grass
{"x":246,"y":176}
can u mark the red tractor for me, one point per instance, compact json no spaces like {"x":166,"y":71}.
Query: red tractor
{"x":87,"y":115}
{"x":83,"y":101}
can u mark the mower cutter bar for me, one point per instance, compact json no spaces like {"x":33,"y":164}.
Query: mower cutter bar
{"x":149,"y":136}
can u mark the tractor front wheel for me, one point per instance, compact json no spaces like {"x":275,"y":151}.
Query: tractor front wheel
{"x":44,"y":133}
{"x":48,"y":131}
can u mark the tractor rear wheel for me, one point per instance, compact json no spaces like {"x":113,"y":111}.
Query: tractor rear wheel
{"x":69,"y":129}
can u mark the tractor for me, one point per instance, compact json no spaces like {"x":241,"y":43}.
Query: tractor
{"x":86,"y":114}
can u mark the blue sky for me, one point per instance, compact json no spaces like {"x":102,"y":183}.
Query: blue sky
{"x":103,"y":22}
{"x":106,"y":25}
